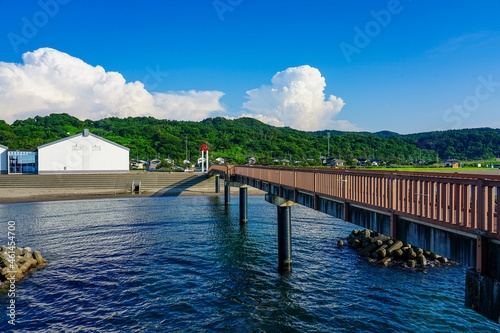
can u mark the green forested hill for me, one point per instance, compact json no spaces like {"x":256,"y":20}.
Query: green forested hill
{"x":243,"y":137}
{"x":477,"y":143}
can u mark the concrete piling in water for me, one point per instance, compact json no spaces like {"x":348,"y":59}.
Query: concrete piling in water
{"x":227,"y":193}
{"x":217,"y":183}
{"x":482,"y":284}
{"x":284,"y":231}
{"x":284,"y":239}
{"x":243,"y":204}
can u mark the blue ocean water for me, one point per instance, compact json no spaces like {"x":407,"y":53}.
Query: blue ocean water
{"x":176,"y":264}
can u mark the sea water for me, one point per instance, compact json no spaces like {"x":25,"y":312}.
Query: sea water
{"x":176,"y":264}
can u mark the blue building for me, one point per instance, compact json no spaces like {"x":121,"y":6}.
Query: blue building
{"x":22,"y":161}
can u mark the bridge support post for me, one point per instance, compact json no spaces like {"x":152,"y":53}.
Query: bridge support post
{"x":482,"y":284}
{"x":481,"y":253}
{"x":217,"y":183}
{"x":346,"y":211}
{"x":243,"y":204}
{"x":284,"y":231}
{"x":316,"y":202}
{"x":227,"y":193}
{"x":393,"y":225}
{"x":284,"y":239}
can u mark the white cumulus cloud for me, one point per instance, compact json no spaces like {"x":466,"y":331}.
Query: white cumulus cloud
{"x":50,"y":81}
{"x":296,"y":98}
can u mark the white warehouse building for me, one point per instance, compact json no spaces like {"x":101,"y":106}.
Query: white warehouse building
{"x":82,"y":153}
{"x":3,"y":159}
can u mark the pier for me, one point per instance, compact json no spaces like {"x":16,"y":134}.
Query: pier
{"x":451,"y":214}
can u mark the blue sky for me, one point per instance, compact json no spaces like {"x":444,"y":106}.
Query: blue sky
{"x":405,"y":66}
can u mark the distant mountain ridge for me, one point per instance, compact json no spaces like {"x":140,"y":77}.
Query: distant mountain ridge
{"x":380,"y":134}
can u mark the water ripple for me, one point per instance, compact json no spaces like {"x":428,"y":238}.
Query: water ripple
{"x":181,"y":264}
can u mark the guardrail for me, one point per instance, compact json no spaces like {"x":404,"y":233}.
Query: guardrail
{"x":466,"y":202}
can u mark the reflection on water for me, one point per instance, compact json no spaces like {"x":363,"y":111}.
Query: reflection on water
{"x":170,"y":264}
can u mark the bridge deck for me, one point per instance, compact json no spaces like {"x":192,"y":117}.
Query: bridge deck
{"x":454,"y":215}
{"x":465,"y":202}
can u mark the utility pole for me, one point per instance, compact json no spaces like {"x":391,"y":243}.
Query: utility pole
{"x":328,"y":156}
{"x":186,"y":147}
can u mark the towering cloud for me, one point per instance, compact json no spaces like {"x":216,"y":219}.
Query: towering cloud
{"x":296,"y":98}
{"x":50,"y":81}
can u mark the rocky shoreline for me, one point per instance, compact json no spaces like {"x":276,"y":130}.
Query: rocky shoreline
{"x":382,"y":250}
{"x":16,"y":262}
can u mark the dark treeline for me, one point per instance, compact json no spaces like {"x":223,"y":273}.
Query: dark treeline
{"x":245,"y":137}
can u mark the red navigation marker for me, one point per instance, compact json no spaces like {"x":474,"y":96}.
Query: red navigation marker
{"x":204,"y":148}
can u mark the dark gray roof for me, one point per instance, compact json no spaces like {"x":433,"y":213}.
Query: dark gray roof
{"x":81,"y":134}
{"x":4,"y":147}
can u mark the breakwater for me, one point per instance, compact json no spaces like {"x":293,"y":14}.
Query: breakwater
{"x":16,"y":262}
{"x":383,"y":250}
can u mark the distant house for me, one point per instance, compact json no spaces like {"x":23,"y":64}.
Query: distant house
{"x":186,"y":162}
{"x":451,"y":163}
{"x":138,"y":164}
{"x":200,"y":160}
{"x":338,"y":162}
{"x":334,"y":162}
{"x":362,"y":162}
{"x":154,"y":163}
{"x":375,"y":162}
{"x":251,"y":160}
{"x":220,"y":160}
{"x":327,"y":161}
{"x":297,"y":161}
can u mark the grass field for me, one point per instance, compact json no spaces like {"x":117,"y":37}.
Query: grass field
{"x":459,"y":170}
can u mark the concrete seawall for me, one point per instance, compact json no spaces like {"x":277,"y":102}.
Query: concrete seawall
{"x":23,"y":188}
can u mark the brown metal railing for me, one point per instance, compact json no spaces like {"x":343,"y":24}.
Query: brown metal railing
{"x":464,"y":202}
